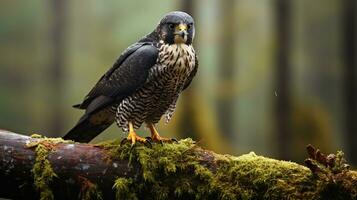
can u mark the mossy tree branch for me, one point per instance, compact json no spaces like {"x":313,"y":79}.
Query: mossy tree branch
{"x":37,"y":167}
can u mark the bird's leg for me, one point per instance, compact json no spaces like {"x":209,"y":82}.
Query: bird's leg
{"x":133,"y":137}
{"x":155,"y":135}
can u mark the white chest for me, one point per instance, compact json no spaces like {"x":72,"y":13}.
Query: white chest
{"x":178,"y":56}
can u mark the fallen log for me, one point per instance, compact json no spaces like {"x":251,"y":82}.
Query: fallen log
{"x":43,"y":168}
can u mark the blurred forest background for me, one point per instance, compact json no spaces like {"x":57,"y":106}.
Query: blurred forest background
{"x":274,"y":76}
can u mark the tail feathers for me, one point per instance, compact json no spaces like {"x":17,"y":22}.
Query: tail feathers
{"x":77,"y":106}
{"x":85,"y":131}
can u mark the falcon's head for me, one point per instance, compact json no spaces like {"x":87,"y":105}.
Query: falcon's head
{"x":176,"y":28}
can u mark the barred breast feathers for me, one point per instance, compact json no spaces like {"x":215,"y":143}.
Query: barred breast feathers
{"x":158,"y":96}
{"x":181,"y":56}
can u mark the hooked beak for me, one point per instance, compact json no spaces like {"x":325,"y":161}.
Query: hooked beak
{"x":181,"y":33}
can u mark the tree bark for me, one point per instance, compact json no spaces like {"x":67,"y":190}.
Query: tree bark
{"x":182,"y":170}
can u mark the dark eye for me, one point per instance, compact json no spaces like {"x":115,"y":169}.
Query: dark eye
{"x":171,"y":26}
{"x":189,"y":26}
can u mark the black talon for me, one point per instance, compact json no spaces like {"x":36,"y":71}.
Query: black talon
{"x":148,"y":144}
{"x":123,"y":141}
{"x":148,"y":138}
{"x":174,"y":140}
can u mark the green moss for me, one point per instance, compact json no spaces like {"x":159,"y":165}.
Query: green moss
{"x":49,"y":142}
{"x":42,"y":170}
{"x":340,"y":163}
{"x":123,"y":188}
{"x":43,"y":173}
{"x":173,"y":171}
{"x":257,"y":177}
{"x":157,"y":164}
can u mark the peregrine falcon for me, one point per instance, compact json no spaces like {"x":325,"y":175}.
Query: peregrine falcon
{"x":143,"y":84}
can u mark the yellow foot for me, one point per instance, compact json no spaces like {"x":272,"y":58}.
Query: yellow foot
{"x":134,"y":138}
{"x":155,"y":137}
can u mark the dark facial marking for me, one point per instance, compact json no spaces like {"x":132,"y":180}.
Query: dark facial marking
{"x":167,"y":27}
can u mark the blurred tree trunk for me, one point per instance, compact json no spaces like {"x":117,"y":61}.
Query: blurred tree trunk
{"x":227,"y":68}
{"x":188,"y":7}
{"x":56,"y":73}
{"x":187,"y":127}
{"x":282,"y":85}
{"x":194,"y":118}
{"x":349,"y":53}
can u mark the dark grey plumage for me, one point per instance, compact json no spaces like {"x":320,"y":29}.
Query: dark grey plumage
{"x":143,"y":84}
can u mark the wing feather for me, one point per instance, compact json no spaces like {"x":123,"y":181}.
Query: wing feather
{"x":128,"y":73}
